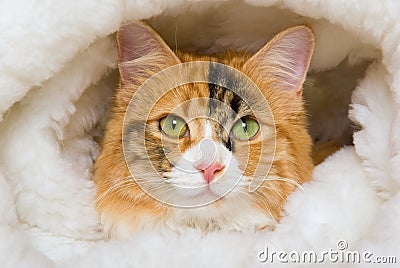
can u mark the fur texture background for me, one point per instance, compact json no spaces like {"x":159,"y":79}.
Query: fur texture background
{"x":56,"y":78}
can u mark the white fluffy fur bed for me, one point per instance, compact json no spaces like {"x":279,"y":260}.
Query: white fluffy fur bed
{"x":57,"y":74}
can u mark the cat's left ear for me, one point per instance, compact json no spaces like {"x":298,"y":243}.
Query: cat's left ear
{"x":142,"y":49}
{"x":284,"y":60}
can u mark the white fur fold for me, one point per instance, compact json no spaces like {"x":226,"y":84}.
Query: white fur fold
{"x":57,"y":73}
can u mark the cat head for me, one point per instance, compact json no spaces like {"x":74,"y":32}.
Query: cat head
{"x":198,"y":134}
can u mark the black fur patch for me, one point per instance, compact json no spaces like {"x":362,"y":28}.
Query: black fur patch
{"x":224,"y":104}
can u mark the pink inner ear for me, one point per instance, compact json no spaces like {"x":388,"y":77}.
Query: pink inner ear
{"x":285,"y":59}
{"x":136,"y":40}
{"x":296,"y":49}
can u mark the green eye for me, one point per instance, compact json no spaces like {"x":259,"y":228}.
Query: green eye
{"x":245,"y":128}
{"x":173,"y":126}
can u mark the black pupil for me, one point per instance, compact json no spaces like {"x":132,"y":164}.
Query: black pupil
{"x":174,"y":123}
{"x":244,"y":126}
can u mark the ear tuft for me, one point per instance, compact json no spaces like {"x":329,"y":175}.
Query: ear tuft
{"x":285,"y":59}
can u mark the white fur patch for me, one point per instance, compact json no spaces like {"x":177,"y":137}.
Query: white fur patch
{"x":208,"y":130}
{"x":185,"y":174}
{"x":234,"y":212}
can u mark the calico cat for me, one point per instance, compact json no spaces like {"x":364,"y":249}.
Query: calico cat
{"x":235,"y":141}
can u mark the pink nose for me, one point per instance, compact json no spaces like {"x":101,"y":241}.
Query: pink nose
{"x":209,"y":170}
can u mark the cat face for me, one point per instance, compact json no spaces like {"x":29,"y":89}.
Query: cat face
{"x":176,"y":145}
{"x":203,"y":140}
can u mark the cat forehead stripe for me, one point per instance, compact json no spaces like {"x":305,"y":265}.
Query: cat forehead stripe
{"x":208,"y":130}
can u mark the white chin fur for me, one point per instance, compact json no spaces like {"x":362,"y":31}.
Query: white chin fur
{"x":233,"y":214}
{"x":235,"y":209}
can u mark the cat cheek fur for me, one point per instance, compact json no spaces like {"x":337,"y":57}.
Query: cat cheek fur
{"x":278,"y":69}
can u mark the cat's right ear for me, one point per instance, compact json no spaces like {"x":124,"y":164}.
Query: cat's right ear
{"x":285,"y":59}
{"x":141,"y":48}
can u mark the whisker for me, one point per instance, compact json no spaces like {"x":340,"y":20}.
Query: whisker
{"x":120,"y":183}
{"x":109,"y":181}
{"x":289,"y":180}
{"x":176,"y":32}
{"x":270,"y":178}
{"x":116,"y":185}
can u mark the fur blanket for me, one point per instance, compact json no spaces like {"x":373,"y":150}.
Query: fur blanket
{"x":57,"y":75}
